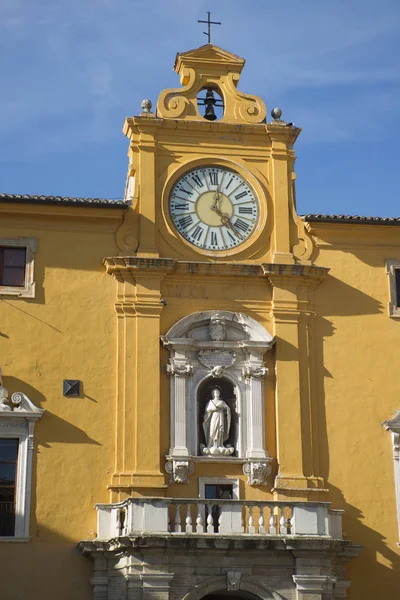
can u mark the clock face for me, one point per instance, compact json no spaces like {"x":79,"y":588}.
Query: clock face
{"x":213,"y":208}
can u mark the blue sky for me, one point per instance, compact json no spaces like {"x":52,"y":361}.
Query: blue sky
{"x":71,"y":72}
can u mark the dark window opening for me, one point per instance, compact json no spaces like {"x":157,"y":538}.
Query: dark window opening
{"x":8,"y":484}
{"x":12,"y":266}
{"x":216,"y":491}
{"x":397,"y":276}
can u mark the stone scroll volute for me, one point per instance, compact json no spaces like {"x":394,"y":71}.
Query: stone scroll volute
{"x":210,"y":67}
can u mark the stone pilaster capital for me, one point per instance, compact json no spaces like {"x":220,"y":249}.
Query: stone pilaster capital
{"x":179,"y":469}
{"x":251,"y":371}
{"x":257,"y":471}
{"x":179,"y":369}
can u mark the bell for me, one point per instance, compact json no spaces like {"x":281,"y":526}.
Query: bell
{"x":209,"y":103}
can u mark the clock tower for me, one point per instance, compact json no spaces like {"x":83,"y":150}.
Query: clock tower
{"x":217,"y":409}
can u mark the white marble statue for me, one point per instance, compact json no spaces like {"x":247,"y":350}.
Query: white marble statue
{"x":216,"y":425}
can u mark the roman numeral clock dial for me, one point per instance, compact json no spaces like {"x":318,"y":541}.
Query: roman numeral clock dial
{"x":213,"y":208}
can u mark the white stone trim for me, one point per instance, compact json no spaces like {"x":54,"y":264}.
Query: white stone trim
{"x":17,"y":421}
{"x":393,"y":425}
{"x":391,"y":266}
{"x":313,"y":584}
{"x":28,"y":291}
{"x":240,"y":347}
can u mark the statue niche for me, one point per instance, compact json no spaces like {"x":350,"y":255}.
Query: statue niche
{"x":217,"y":418}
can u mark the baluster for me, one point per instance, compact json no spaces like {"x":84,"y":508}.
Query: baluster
{"x":220,"y":518}
{"x":210,"y":524}
{"x":272,"y":521}
{"x":289,"y":521}
{"x":118,"y":522}
{"x":199,"y":521}
{"x":123,"y":520}
{"x":252,"y":529}
{"x":261,"y":526}
{"x":189,"y":527}
{"x":282,"y":523}
{"x":242,"y":525}
{"x":178,"y":528}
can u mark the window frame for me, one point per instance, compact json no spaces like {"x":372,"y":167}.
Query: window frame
{"x":393,"y":425}
{"x":393,"y":265}
{"x":18,"y":423}
{"x":28,"y":289}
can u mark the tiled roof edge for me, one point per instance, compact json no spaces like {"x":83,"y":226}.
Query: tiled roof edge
{"x":95,"y":202}
{"x":351,"y":219}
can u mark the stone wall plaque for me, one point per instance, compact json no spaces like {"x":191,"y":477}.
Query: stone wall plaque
{"x":213,"y":358}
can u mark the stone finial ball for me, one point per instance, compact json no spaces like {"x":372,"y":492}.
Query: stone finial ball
{"x":276,"y":113}
{"x":146,"y":105}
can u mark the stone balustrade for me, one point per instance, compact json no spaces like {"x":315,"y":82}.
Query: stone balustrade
{"x":188,"y":516}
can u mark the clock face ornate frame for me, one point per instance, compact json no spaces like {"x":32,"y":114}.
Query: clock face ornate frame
{"x":214,"y":207}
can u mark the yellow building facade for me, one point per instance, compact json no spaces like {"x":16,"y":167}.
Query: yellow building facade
{"x":211,"y":371}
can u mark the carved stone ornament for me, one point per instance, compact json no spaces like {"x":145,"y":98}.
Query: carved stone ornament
{"x":199,"y":69}
{"x":217,"y":372}
{"x":179,"y":369}
{"x":179,"y":470}
{"x":257,"y":471}
{"x":233,"y":580}
{"x":217,"y":328}
{"x":214,"y":358}
{"x":255,"y":372}
{"x":19,"y":403}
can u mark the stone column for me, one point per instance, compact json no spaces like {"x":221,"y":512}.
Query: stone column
{"x":179,"y":369}
{"x":254,"y":372}
{"x":257,"y":466}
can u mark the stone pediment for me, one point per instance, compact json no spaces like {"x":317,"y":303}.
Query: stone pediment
{"x":213,"y":55}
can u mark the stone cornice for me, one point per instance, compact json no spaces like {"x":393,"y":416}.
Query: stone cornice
{"x":133,"y":264}
{"x":307,"y":272}
{"x":178,"y":542}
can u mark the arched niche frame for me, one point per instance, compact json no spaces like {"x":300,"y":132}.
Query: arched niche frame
{"x":213,"y":346}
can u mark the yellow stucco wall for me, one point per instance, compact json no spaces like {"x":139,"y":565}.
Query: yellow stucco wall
{"x":358,"y":361}
{"x":67,"y":331}
{"x":335,"y":356}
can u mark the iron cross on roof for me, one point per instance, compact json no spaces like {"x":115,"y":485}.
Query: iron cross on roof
{"x":209,"y":23}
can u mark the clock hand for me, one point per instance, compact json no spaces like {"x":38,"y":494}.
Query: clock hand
{"x":216,"y":198}
{"x":225,"y":220}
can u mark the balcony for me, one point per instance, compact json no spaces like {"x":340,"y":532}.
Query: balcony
{"x":183,"y":517}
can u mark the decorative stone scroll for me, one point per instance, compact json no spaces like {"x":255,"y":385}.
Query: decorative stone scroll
{"x":257,"y":472}
{"x":255,"y":371}
{"x":179,"y":370}
{"x":210,"y":67}
{"x":179,"y":470}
